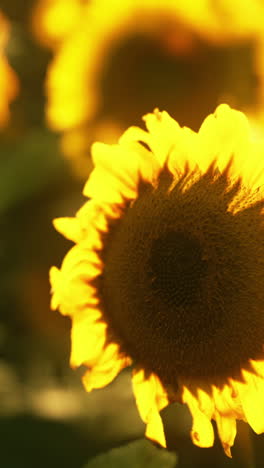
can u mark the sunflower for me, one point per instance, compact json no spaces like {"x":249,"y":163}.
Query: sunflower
{"x":8,"y":79}
{"x":113,"y":60}
{"x":167,"y":273}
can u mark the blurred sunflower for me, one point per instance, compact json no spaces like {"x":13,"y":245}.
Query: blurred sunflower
{"x":54,"y":20}
{"x":115,"y":59}
{"x":8,"y":79}
{"x":167,"y":272}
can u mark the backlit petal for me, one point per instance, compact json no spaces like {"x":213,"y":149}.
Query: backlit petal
{"x":154,"y":429}
{"x":202,"y":432}
{"x":69,"y":228}
{"x":150,"y":398}
{"x":227,"y":431}
{"x":251,"y":394}
{"x":227,"y":401}
{"x":106,"y":368}
{"x":87,"y":337}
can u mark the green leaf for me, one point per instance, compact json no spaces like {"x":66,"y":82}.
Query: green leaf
{"x":138,"y":454}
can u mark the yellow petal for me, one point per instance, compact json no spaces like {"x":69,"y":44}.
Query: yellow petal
{"x":103,"y":187}
{"x":145,"y":393}
{"x":71,"y":286}
{"x":106,"y":369}
{"x":251,"y":394}
{"x":227,"y":401}
{"x":87,"y":338}
{"x":69,"y":228}
{"x":71,"y":290}
{"x":112,"y":158}
{"x":205,"y":403}
{"x":148,"y":168}
{"x":164,"y":133}
{"x":135,"y":134}
{"x":162,"y":399}
{"x":93,"y":215}
{"x":169,"y":142}
{"x":150,"y":398}
{"x":258,"y":367}
{"x":183,"y":151}
{"x":252,"y":165}
{"x":81,"y":260}
{"x":225,"y":134}
{"x":115,"y":168}
{"x":202,"y":433}
{"x":149,"y":165}
{"x":154,"y":429}
{"x":227,"y":431}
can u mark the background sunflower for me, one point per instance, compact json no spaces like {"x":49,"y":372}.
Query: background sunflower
{"x":112,"y":61}
{"x":46,"y":417}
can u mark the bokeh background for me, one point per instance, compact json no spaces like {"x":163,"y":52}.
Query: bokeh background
{"x":71,"y":72}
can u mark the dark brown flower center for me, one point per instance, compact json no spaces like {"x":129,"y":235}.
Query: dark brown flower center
{"x":176,"y":268}
{"x":182,"y":288}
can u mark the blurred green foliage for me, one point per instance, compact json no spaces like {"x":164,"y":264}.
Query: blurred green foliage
{"x":138,"y":454}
